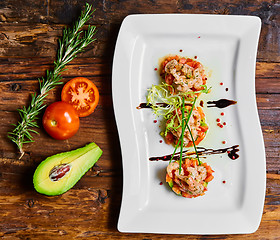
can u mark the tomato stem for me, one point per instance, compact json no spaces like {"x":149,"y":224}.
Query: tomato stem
{"x":53,"y":123}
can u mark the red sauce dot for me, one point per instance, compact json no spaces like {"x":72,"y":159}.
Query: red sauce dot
{"x":223,"y":142}
{"x":218,"y":120}
{"x":160,"y":141}
{"x":222,"y":114}
{"x":195,"y":57}
{"x":160,"y":183}
{"x":180,"y":50}
{"x":198,"y":36}
{"x":155,"y":69}
{"x":155,"y":121}
{"x":221,"y":126}
{"x":221,"y":83}
{"x":233,"y":157}
{"x":224,"y":123}
{"x":224,"y":181}
{"x":205,"y":78}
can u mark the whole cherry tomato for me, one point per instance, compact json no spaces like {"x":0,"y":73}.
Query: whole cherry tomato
{"x":60,"y":120}
{"x":82,"y":94}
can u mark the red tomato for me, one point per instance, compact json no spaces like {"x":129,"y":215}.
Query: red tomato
{"x":82,"y":94}
{"x":60,"y":120}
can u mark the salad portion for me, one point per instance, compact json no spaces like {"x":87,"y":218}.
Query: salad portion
{"x":184,"y":80}
{"x":185,"y":74}
{"x":197,"y":125}
{"x":192,"y":180}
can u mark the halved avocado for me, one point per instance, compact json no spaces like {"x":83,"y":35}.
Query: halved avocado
{"x":60,"y":172}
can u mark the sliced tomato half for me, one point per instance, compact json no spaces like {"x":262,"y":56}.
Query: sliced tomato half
{"x":82,"y":94}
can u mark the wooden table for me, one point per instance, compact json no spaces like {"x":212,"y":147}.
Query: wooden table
{"x":28,"y":41}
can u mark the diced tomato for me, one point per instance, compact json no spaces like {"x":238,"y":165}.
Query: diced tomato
{"x":186,"y":195}
{"x":204,"y":128}
{"x":169,"y":78}
{"x":209,"y":178}
{"x":183,"y":60}
{"x":168,"y":178}
{"x":169,"y":138}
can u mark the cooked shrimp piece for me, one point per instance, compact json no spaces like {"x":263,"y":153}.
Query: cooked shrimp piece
{"x":187,"y":75}
{"x":192,"y":180}
{"x":194,"y":124}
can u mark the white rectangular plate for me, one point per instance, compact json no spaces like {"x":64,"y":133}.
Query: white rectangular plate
{"x":226,"y":46}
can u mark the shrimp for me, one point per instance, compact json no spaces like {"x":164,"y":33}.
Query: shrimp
{"x":171,"y":167}
{"x":186,"y":76}
{"x":195,"y":187}
{"x":171,"y":65}
{"x":194,"y":125}
{"x":190,"y":182}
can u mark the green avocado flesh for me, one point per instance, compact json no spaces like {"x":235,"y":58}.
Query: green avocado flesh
{"x":60,"y":172}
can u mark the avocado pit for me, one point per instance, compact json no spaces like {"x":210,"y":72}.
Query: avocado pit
{"x":60,"y":171}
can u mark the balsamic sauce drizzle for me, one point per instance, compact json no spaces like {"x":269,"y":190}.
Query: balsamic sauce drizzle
{"x":231,"y":151}
{"x":222,"y":103}
{"x":148,"y":105}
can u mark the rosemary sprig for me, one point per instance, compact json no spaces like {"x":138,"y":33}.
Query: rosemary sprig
{"x":73,"y":41}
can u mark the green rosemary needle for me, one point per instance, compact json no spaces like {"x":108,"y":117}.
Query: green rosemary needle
{"x":73,"y":41}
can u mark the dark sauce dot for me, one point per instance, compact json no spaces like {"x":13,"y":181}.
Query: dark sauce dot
{"x":201,"y":103}
{"x":226,"y":89}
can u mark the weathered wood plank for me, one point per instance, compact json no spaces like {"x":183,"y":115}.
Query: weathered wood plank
{"x":28,"y":42}
{"x":38,"y":34}
{"x":92,"y":211}
{"x":19,"y":79}
{"x":20,"y":70}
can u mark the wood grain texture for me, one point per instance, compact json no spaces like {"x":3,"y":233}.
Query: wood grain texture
{"x":28,"y":42}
